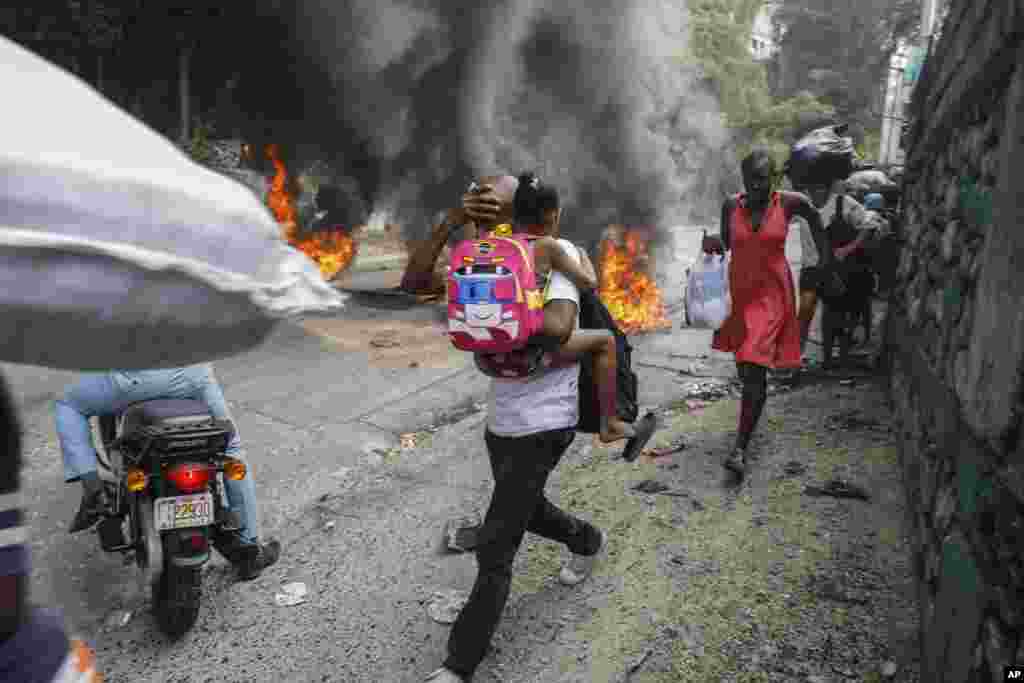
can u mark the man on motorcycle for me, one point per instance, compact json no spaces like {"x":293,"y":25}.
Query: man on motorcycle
{"x":99,"y":394}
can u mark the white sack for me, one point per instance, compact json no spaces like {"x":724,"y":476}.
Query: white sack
{"x":116,"y":250}
{"x":707,"y":291}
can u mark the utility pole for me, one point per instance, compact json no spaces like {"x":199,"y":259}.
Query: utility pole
{"x":928,"y":11}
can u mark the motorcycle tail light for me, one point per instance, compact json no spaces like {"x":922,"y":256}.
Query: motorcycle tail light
{"x":234,"y":469}
{"x":189,"y":477}
{"x":136,"y":480}
{"x":198,"y":542}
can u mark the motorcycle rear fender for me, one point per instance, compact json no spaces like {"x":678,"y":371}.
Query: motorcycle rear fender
{"x":178,"y":552}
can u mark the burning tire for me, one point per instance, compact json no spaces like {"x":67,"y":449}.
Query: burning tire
{"x":176,"y":598}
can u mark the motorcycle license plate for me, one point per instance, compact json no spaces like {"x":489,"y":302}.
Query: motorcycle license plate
{"x":182,"y":512}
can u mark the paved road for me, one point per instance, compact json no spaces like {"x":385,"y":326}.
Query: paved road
{"x":316,"y":405}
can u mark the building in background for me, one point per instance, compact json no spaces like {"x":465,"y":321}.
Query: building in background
{"x":904,"y":70}
{"x":898,"y":87}
{"x":762,"y":34}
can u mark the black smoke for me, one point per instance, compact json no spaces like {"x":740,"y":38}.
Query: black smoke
{"x":413,"y":98}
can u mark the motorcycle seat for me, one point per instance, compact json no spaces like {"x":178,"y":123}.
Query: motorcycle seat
{"x":177,"y":412}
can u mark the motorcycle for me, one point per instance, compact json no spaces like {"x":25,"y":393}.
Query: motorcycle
{"x":163,"y":466}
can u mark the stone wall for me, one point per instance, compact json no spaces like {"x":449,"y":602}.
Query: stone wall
{"x":956,"y":340}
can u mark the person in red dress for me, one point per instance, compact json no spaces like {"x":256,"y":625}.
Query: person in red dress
{"x":762,"y":330}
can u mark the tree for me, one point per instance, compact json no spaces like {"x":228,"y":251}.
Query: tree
{"x":719,"y":38}
{"x":840,"y":51}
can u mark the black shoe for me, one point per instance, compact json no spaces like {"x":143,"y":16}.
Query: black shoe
{"x":230,"y":545}
{"x":643,"y":430}
{"x":90,"y":511}
{"x":736,"y":462}
{"x":256,"y":557}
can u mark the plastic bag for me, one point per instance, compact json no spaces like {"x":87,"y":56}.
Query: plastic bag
{"x":119,"y":252}
{"x":708,"y":303}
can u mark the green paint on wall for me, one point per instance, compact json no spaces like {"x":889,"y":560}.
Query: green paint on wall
{"x":975,"y":203}
{"x":958,"y":564}
{"x":971,"y":486}
{"x":952,"y":296}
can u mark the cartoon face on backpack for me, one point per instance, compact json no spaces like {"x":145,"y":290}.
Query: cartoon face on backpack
{"x":494,"y":305}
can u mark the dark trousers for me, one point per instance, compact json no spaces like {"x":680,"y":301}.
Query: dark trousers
{"x":521,"y":466}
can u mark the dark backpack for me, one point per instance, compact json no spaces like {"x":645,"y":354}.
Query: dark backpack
{"x":595,"y":316}
{"x":845,"y":284}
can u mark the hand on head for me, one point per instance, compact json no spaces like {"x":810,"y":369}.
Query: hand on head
{"x":489,"y":200}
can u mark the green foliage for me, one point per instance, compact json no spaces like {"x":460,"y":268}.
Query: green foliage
{"x":840,"y":51}
{"x":198,"y":147}
{"x":719,"y":37}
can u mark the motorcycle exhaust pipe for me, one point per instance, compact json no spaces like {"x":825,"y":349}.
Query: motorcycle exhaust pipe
{"x":152,"y":545}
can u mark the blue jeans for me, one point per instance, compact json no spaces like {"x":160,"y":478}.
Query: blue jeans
{"x":107,"y":393}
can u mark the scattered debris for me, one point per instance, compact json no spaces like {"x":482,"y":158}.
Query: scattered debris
{"x":850,"y":420}
{"x":343,"y":472}
{"x":445,"y":605}
{"x":408,"y":441}
{"x":638,"y":662}
{"x":650,"y":486}
{"x":460,"y":534}
{"x":414,"y":364}
{"x":888,"y":669}
{"x":119,"y":618}
{"x":291,"y":594}
{"x":847,"y":382}
{"x":794,"y":468}
{"x":694,"y":405}
{"x":838,"y":489}
{"x":384,"y":343}
{"x":709,"y":391}
{"x":676,"y":446}
{"x":329,"y":526}
{"x":830,"y":590}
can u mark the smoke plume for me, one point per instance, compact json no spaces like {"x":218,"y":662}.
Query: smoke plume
{"x":598,"y":97}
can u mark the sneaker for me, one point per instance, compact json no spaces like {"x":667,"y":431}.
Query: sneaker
{"x":256,"y":558}
{"x":579,"y":567}
{"x":737,"y":461}
{"x":444,"y":675}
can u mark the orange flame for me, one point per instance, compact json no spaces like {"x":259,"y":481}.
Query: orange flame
{"x":626,"y":287}
{"x":332,"y":250}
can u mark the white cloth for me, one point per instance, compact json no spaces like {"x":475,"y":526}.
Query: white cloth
{"x":854,"y":213}
{"x":548,"y":399}
{"x":118,"y":251}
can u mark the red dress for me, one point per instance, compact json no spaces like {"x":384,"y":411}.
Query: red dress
{"x":762,"y":327}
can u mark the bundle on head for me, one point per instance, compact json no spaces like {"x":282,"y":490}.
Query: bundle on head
{"x":821,"y":157}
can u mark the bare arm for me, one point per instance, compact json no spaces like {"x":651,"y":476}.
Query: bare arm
{"x":580,"y":274}
{"x":863,"y":220}
{"x":796,"y":204}
{"x":419,"y":272}
{"x":720,"y":243}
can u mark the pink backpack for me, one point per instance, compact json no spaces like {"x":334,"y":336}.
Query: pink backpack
{"x":494,"y":304}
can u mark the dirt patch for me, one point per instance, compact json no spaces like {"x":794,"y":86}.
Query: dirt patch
{"x":761,"y":584}
{"x":390,"y":343}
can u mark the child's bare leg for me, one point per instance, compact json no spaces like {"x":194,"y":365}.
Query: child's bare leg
{"x":601,"y":343}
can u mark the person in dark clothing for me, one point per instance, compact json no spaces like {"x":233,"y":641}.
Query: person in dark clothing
{"x":531,"y":423}
{"x":34,"y":645}
{"x":341,"y":207}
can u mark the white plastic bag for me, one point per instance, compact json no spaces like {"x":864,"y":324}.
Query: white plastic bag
{"x":707,"y":291}
{"x":116,"y":250}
